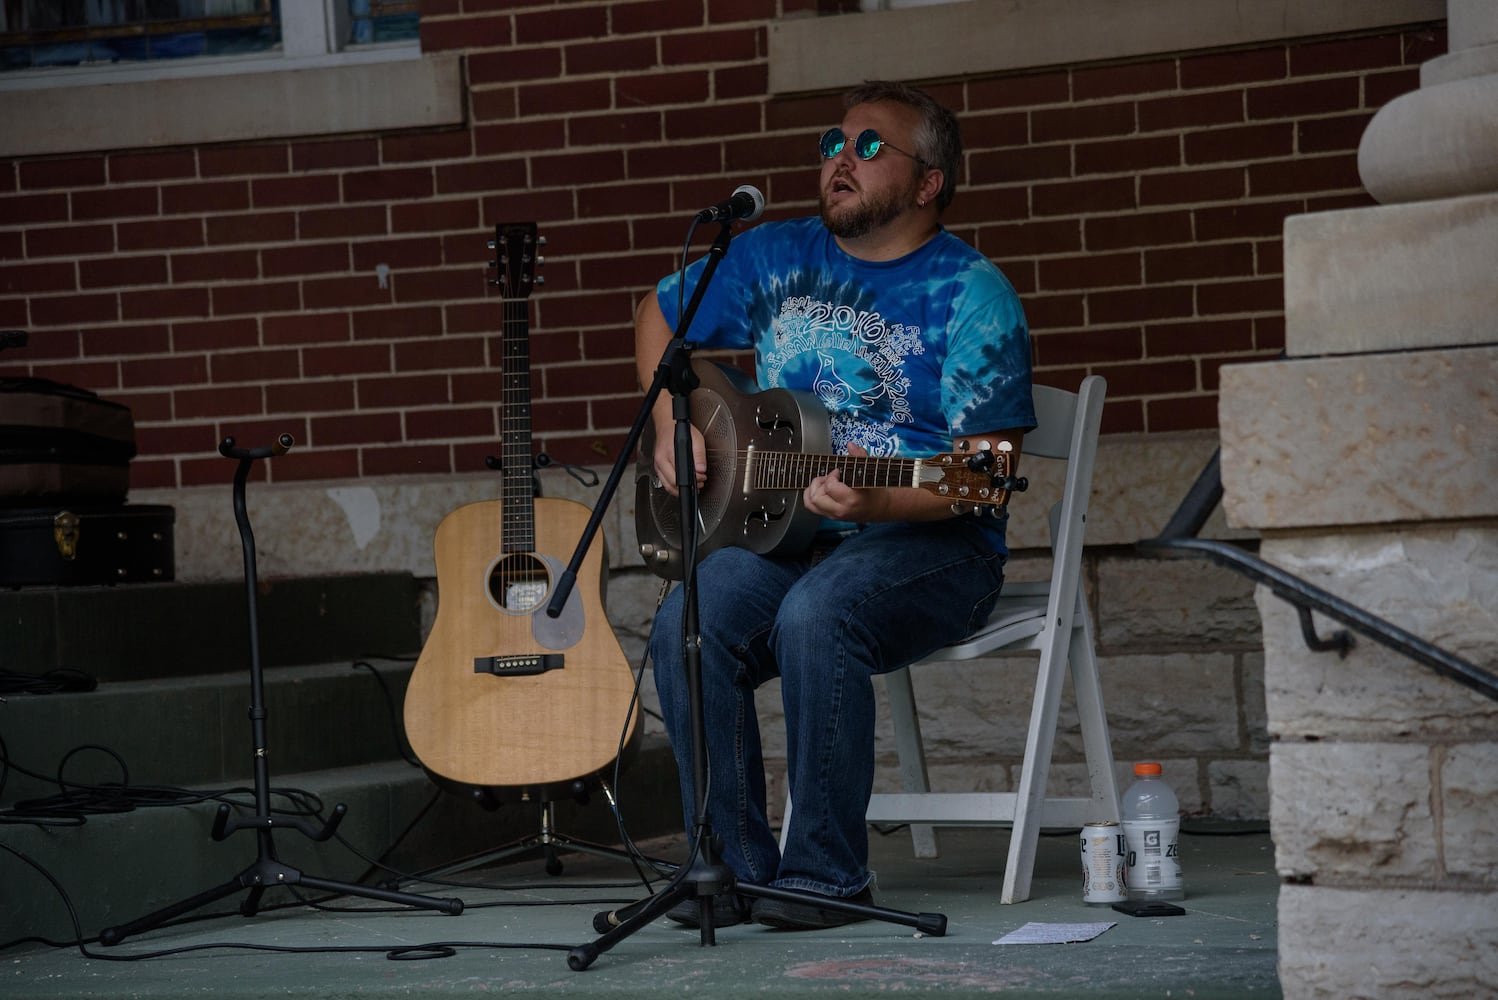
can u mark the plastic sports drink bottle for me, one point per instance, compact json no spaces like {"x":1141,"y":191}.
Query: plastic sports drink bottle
{"x":1152,"y":828}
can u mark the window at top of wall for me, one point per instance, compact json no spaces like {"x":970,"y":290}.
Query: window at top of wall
{"x":867,"y":5}
{"x":383,"y":21}
{"x":85,"y":34}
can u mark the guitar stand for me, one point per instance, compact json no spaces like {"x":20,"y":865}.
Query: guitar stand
{"x":267,"y":869}
{"x":546,"y":840}
{"x":704,"y":876}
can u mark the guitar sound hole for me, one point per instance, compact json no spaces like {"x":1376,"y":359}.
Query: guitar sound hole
{"x":519,"y":583}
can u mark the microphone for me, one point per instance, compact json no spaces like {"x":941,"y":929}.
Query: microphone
{"x":745,"y":203}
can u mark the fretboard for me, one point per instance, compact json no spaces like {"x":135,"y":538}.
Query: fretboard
{"x":517,"y":497}
{"x":788,"y":470}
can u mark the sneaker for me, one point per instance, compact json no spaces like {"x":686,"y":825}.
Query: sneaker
{"x":729,"y":908}
{"x":808,"y":915}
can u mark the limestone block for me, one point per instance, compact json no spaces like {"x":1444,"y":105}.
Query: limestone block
{"x":979,"y":708}
{"x":1397,"y":277}
{"x":306,"y":529}
{"x":1173,"y":602}
{"x":1438,"y":582}
{"x":959,"y":776}
{"x":633,"y":596}
{"x":950,"y":39}
{"x":1023,"y":565}
{"x":387,"y":524}
{"x":1469,"y":810}
{"x":1386,"y":943}
{"x":1458,"y":64}
{"x":1435,"y":142}
{"x":1369,"y":439}
{"x":1472,"y":23}
{"x":1240,"y":788}
{"x":771,"y":713}
{"x":1066,"y":779}
{"x":1172,"y":704}
{"x":1352,"y":810}
{"x":1138,"y":482}
{"x":390,"y":92}
{"x":1251,"y":695}
{"x":775,"y":792}
{"x":1175,"y":704}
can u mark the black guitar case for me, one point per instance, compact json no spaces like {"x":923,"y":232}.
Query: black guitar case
{"x":64,"y":472}
{"x":62,"y":444}
{"x":86,"y":545}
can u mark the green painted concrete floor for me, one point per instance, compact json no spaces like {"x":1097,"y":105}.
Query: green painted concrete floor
{"x":518,"y":923}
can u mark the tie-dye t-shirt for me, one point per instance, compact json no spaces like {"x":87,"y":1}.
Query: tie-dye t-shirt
{"x":905,"y":355}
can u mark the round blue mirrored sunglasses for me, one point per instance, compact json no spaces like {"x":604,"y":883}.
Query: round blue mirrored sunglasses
{"x":865,"y":147}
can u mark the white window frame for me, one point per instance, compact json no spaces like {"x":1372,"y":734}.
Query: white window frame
{"x":916,"y":40}
{"x":310,"y":33}
{"x":871,"y":5}
{"x":76,"y":109}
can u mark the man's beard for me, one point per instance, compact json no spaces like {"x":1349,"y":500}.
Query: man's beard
{"x":870,"y":214}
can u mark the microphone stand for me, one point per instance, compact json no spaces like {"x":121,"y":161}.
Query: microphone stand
{"x":704,"y":876}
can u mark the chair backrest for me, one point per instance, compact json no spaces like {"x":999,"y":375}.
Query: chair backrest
{"x":1057,"y":411}
{"x":1068,"y":426}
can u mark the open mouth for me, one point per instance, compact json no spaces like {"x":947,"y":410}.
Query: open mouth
{"x":840,"y":185}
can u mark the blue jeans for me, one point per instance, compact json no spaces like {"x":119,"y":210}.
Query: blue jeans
{"x":882,"y":599}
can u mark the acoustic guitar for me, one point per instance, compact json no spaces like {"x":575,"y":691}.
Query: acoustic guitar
{"x":502,"y":693}
{"x":763,"y":449}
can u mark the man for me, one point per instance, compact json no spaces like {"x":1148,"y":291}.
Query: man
{"x":916,"y":344}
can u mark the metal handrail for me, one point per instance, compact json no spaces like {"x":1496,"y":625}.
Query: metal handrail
{"x":1179,"y":539}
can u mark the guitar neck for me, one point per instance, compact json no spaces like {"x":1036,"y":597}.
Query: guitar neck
{"x":516,"y":492}
{"x":515,"y":256}
{"x":793,"y":470}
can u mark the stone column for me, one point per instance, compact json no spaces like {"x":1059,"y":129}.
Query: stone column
{"x":1368,"y":460}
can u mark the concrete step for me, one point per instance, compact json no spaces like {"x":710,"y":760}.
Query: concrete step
{"x":196,"y":730}
{"x":170,"y":709}
{"x":333,"y":730}
{"x":118,"y":867}
{"x":145,"y":630}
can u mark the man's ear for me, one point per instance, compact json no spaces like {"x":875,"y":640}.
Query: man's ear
{"x":931,"y":185}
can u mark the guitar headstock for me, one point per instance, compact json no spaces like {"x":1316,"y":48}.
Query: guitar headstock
{"x":515,"y":245}
{"x":982,"y":480}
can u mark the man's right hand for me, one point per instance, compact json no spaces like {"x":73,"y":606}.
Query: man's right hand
{"x":665,"y":455}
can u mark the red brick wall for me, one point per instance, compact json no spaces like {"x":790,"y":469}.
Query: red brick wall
{"x":233,"y":289}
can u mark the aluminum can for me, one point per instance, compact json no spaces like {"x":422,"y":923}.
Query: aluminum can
{"x":1103,"y":864}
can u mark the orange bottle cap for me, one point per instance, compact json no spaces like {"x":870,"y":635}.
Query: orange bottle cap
{"x":1143,"y":769}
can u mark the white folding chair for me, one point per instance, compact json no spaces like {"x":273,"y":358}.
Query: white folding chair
{"x":1050,"y":617}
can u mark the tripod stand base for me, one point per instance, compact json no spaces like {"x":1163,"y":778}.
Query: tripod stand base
{"x":267,"y":870}
{"x":545,"y":840}
{"x":551,"y":845}
{"x":264,"y":874}
{"x":703,"y":882}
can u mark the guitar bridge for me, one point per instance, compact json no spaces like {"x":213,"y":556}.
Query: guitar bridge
{"x":518,"y":666}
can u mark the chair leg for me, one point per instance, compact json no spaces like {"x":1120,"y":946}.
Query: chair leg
{"x":913,"y":775}
{"x":1029,"y":803}
{"x":1088,"y":691}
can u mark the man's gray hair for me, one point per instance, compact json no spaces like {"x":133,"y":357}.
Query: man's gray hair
{"x":938,"y":140}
